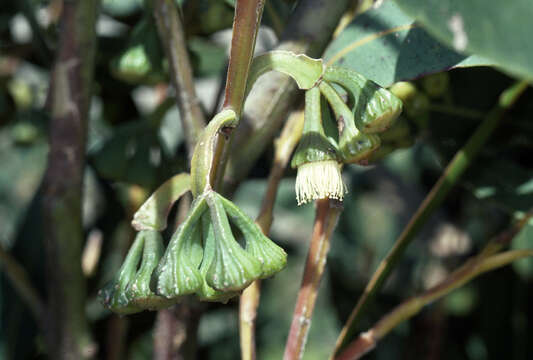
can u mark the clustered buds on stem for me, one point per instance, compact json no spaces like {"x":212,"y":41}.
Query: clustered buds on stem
{"x":203,"y":256}
{"x":370,"y":110}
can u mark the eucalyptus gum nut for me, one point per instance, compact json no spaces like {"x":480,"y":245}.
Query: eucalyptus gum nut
{"x":399,"y":131}
{"x":177,"y":273}
{"x":357,"y":147}
{"x":272,"y":257}
{"x":354,"y":145}
{"x":138,"y":291}
{"x":374,"y":108}
{"x":415,"y":102}
{"x":206,"y":292}
{"x":418,"y":105}
{"x":232,"y":268}
{"x":313,"y":145}
{"x":404,"y":90}
{"x":113,"y":296}
{"x":436,"y":85}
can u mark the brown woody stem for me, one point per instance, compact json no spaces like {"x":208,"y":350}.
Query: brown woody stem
{"x":327,"y":214}
{"x":245,"y":26}
{"x":68,"y":334}
{"x":249,"y":301}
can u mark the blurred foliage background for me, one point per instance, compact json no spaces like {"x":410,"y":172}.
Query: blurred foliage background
{"x":135,"y":142}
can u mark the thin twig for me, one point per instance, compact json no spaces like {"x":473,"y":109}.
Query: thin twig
{"x":249,"y":300}
{"x":327,"y":214}
{"x":449,"y":178}
{"x":485,"y":261}
{"x":248,"y":303}
{"x":20,"y":281}
{"x":172,"y":36}
{"x":245,"y":27}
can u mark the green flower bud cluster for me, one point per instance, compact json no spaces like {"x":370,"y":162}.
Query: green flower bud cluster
{"x":369,"y":110}
{"x":203,"y":257}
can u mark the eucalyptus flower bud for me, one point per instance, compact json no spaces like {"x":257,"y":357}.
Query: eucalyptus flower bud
{"x":316,"y":157}
{"x":374,"y":108}
{"x":354,"y":145}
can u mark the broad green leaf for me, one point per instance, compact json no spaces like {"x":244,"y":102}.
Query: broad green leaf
{"x":498,"y":30}
{"x":385,"y":45}
{"x":208,"y":59}
{"x":505,"y":183}
{"x":23,"y":157}
{"x":524,"y":240}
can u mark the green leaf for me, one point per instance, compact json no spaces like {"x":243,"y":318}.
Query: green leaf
{"x":384,"y":45}
{"x":524,"y":240}
{"x":152,"y":215}
{"x":505,"y":183}
{"x":498,"y":30}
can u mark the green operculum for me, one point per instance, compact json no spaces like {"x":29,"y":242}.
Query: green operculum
{"x":374,"y":108}
{"x":354,"y":145}
{"x":316,"y":157}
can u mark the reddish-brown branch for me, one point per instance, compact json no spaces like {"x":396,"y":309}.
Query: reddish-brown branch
{"x":327,"y":214}
{"x":67,"y":332}
{"x":245,"y":26}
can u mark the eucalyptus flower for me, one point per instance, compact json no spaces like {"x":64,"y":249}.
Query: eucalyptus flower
{"x":316,"y":157}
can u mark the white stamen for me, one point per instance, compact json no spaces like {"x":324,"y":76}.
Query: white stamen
{"x":319,"y":180}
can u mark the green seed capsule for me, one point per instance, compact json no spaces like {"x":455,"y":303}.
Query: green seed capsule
{"x":113,"y":295}
{"x":177,"y":273}
{"x":232,"y":268}
{"x":272,"y":258}
{"x":354,"y":146}
{"x":138,"y":291}
{"x":206,"y":292}
{"x":436,"y":85}
{"x":374,"y":108}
